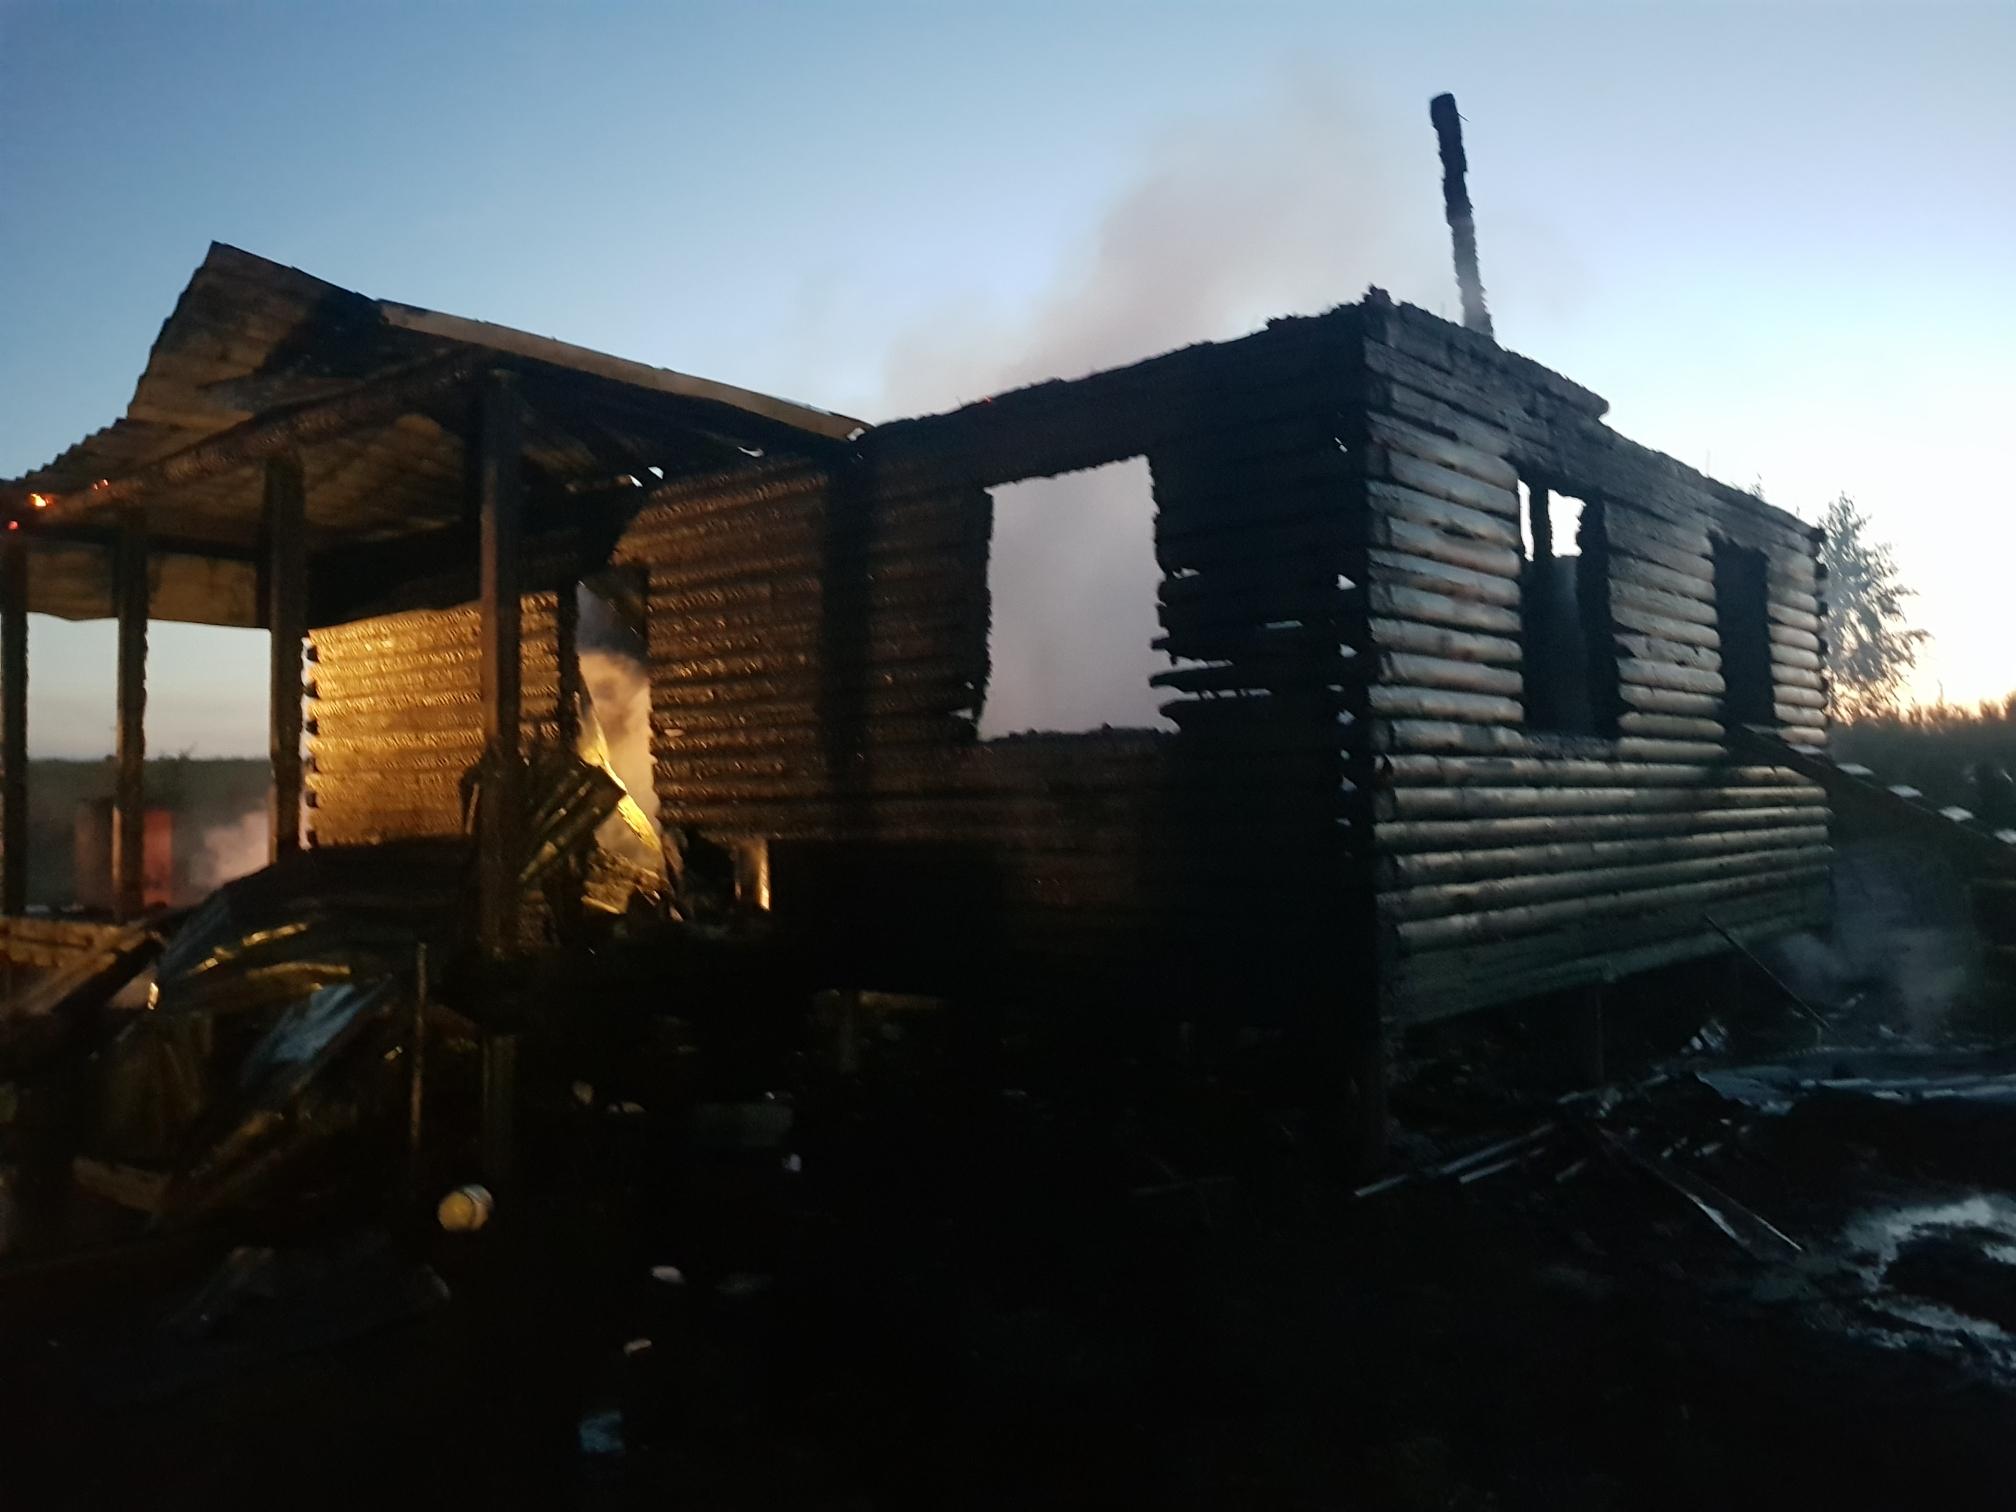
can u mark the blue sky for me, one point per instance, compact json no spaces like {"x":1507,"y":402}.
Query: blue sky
{"x":1776,"y":236}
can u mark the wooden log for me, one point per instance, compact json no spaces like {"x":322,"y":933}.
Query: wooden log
{"x":1388,"y":499}
{"x":1443,"y":546}
{"x":129,"y":783}
{"x":1443,"y":983}
{"x":1404,"y":669}
{"x":1628,"y":568}
{"x":1430,"y":607}
{"x":1413,"y":637}
{"x":1428,"y":411}
{"x":1442,"y":482}
{"x":1443,"y":704}
{"x":1786,"y":692}
{"x":1486,"y":464}
{"x":1630,"y":615}
{"x":286,"y":593}
{"x":1657,"y":748}
{"x":13,"y":723}
{"x":1793,"y":638}
{"x":1402,"y":837}
{"x":1670,"y":677}
{"x":1398,"y":569}
{"x":1802,"y":716}
{"x":1789,"y":617}
{"x":500,"y":491}
{"x":1670,"y":606}
{"x":1436,"y":735}
{"x":1640,"y":696}
{"x":1793,"y":869}
{"x":1670,"y":726}
{"x":1651,"y":649}
{"x":1396,"y":873}
{"x":1784,"y":674}
{"x":1490,"y":802}
{"x":1567,"y":771}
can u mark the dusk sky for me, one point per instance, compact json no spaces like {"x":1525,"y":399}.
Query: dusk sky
{"x":1776,"y":236}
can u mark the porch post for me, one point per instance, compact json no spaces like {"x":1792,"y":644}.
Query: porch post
{"x":13,"y":722}
{"x":500,"y":500}
{"x":129,"y":798}
{"x":286,"y":592}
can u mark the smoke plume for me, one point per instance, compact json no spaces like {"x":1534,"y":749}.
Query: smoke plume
{"x":231,"y":850}
{"x":617,"y":676}
{"x":1292,"y":208}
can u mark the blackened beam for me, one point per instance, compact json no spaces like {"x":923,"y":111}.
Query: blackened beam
{"x":286,"y":616}
{"x":1456,"y":203}
{"x":560,"y":539}
{"x":1300,"y":365}
{"x":499,"y":506}
{"x":129,"y":798}
{"x":375,"y":403}
{"x":13,"y":723}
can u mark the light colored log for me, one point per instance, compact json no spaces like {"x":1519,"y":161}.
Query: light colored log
{"x":1401,"y":837}
{"x":1451,"y":645}
{"x":1423,"y":606}
{"x":1788,"y":869}
{"x":1404,"y":669}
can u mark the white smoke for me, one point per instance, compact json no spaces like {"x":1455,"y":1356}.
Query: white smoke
{"x":619,"y":687}
{"x":1293,"y":208}
{"x":231,"y":850}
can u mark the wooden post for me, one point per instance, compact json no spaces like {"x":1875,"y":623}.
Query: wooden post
{"x":287,"y":626}
{"x":13,"y":722}
{"x":1456,"y":204}
{"x":499,"y":503}
{"x":129,"y":788}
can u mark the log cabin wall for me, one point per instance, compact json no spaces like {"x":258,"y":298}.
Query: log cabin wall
{"x":395,"y":716}
{"x":1509,"y":860}
{"x":818,"y":641}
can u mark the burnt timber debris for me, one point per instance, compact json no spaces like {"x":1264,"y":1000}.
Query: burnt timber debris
{"x":1477,"y":706}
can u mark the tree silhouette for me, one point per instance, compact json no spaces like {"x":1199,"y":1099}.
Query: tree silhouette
{"x":1871,"y":646}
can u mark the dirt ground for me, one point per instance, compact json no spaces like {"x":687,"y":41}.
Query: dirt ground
{"x":914,"y":1300}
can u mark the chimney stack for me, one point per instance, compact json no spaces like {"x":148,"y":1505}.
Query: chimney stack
{"x":1456,"y":200}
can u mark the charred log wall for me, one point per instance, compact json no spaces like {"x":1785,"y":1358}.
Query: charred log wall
{"x":818,"y":640}
{"x":1508,"y":861}
{"x":395,"y":716}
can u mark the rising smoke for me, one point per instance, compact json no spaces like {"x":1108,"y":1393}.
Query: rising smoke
{"x":618,"y":680}
{"x":1292,"y":208}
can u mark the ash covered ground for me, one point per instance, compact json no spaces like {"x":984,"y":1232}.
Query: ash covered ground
{"x":1766,"y":1260}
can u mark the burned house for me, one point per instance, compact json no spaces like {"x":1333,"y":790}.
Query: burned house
{"x":1453,"y":668}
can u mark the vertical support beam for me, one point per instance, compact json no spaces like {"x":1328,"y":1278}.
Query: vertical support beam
{"x":1456,"y":204}
{"x":129,"y":796}
{"x":13,"y":722}
{"x":286,"y":617}
{"x":499,"y":505}
{"x":499,"y":502}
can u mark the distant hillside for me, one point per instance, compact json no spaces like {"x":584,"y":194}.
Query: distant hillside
{"x":220,"y":819}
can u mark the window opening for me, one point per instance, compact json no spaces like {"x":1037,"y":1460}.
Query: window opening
{"x":1072,"y":582}
{"x":1555,"y":586}
{"x":1743,"y":624}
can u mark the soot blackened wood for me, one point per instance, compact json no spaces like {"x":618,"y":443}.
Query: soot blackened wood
{"x":286,"y":589}
{"x":1456,"y":201}
{"x":129,"y":798}
{"x":499,"y":499}
{"x":13,"y":723}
